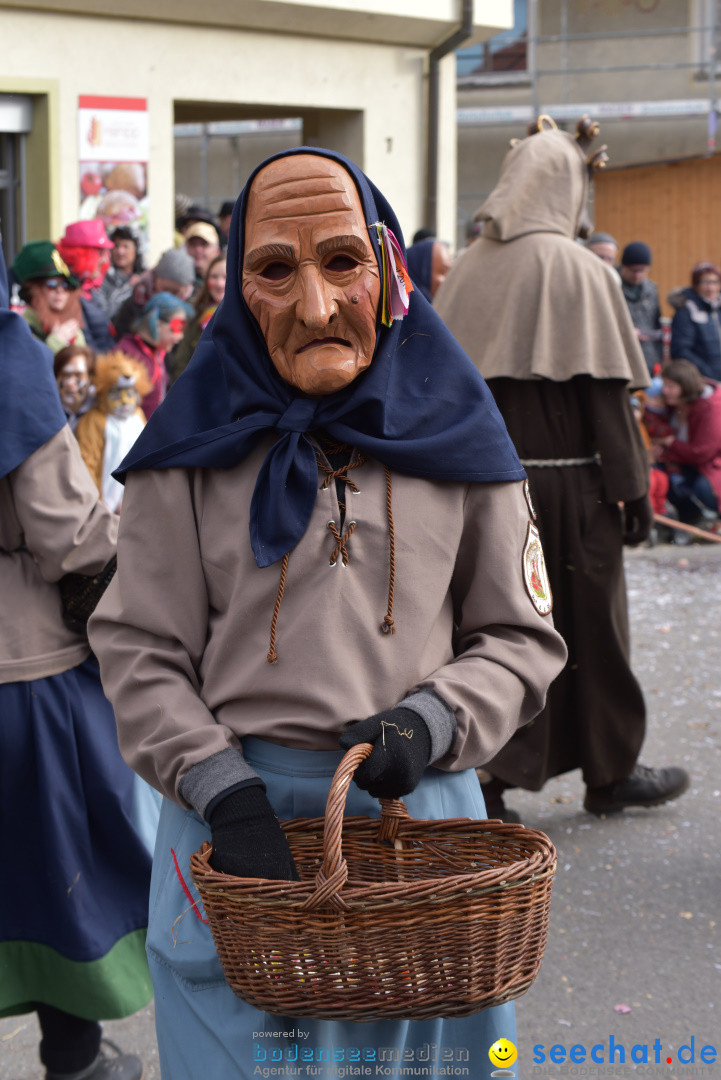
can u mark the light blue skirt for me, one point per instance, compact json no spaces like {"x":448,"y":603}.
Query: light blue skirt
{"x":204,"y":1030}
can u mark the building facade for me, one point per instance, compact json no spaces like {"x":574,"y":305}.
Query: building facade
{"x":92,"y":96}
{"x":648,"y":70}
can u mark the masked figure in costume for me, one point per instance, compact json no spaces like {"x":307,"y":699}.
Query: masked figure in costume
{"x":321,"y":537}
{"x":549,"y":330}
{"x":74,"y":369}
{"x":428,"y":263}
{"x":75,"y":895}
{"x":108,"y":430}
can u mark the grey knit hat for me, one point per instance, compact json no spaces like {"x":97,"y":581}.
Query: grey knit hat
{"x":176,"y":265}
{"x":601,"y":238}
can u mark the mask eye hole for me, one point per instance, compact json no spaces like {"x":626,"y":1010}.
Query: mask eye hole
{"x":341,"y":263}
{"x":276,"y":271}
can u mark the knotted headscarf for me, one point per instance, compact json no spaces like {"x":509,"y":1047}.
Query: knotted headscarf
{"x":420,"y":408}
{"x":420,"y":265}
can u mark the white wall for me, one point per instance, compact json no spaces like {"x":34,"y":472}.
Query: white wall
{"x":168,"y":62}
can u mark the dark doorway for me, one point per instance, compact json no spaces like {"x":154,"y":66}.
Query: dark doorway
{"x":12,"y":215}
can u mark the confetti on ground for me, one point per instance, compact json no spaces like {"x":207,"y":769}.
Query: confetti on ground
{"x":622,"y":1008}
{"x":12,"y":1034}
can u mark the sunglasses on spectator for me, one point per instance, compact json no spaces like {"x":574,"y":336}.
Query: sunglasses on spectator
{"x":177,"y":325}
{"x":57,"y":283}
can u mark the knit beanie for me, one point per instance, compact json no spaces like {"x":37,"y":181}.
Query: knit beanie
{"x":176,"y":265}
{"x":601,"y":238}
{"x":636,"y":254}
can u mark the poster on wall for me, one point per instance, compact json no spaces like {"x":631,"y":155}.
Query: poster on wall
{"x":113,"y":150}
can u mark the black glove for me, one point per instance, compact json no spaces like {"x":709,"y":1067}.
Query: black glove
{"x":401,"y":752}
{"x":247,"y":838}
{"x":637,"y":520}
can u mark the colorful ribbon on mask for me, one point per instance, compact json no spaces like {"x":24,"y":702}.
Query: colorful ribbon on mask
{"x":396,"y":285}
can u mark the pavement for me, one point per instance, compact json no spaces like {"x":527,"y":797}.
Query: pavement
{"x":634,"y":950}
{"x":633,"y":961}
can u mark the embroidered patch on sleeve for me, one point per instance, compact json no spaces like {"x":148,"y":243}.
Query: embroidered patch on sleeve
{"x":535,"y":575}
{"x":529,"y":500}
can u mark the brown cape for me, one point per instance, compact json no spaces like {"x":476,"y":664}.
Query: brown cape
{"x":526,"y":289}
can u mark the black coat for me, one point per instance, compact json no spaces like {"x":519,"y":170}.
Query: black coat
{"x":96,"y":328}
{"x":595,"y":715}
{"x":696,"y":335}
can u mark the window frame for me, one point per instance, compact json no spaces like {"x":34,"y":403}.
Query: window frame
{"x":489,"y":77}
{"x":701,"y":25}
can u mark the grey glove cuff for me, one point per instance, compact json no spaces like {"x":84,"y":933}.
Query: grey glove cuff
{"x":205,"y":781}
{"x":438,"y":717}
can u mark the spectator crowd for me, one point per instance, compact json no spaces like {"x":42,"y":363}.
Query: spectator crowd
{"x":680,"y":412}
{"x":120,"y":332}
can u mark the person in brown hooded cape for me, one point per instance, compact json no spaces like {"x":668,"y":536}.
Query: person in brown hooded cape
{"x":550,"y":332}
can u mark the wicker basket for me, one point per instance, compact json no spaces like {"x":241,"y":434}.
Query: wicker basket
{"x":392,"y":917}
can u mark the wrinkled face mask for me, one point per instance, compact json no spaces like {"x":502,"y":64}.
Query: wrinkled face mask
{"x":310,"y":276}
{"x":122,"y":400}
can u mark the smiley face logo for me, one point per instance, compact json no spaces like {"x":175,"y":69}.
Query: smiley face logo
{"x":503,"y":1053}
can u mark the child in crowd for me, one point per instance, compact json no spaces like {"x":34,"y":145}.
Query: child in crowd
{"x":108,"y":430}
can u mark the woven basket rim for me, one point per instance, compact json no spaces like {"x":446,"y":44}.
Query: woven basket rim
{"x":395,"y":824}
{"x":264,"y":891}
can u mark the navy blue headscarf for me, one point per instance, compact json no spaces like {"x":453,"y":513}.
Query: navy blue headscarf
{"x":30,"y":409}
{"x":420,"y":408}
{"x":419,"y":257}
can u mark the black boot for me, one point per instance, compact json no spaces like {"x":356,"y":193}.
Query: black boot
{"x":644,"y":787}
{"x":113,"y":1066}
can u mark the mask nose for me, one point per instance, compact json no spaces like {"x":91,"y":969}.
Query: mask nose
{"x":316,"y":307}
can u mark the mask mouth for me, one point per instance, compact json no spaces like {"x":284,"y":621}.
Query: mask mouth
{"x":316,"y":342}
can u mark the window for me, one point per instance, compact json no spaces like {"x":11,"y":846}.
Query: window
{"x":11,"y":209}
{"x":16,"y":112}
{"x":502,"y":53}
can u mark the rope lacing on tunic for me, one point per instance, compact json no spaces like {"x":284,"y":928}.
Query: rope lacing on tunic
{"x":342,"y":472}
{"x":340,"y":543}
{"x":341,"y":540}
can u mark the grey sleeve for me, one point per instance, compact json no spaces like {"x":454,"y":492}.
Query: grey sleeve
{"x":203,"y":782}
{"x":439,"y":718}
{"x":66,"y":527}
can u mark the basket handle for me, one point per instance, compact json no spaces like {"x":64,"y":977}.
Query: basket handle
{"x":334,"y":872}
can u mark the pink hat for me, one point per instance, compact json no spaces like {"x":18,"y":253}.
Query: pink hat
{"x":86,"y":234}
